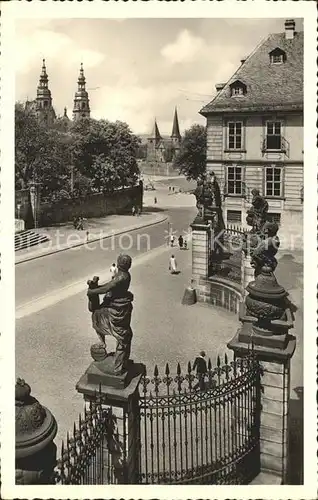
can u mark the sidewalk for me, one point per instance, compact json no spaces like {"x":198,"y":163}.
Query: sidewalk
{"x":64,"y":236}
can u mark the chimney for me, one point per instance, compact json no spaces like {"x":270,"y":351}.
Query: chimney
{"x":243,"y":60}
{"x":220,"y":86}
{"x":289,"y":29}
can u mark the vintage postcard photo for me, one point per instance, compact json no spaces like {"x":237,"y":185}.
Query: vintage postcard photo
{"x":158,"y":220}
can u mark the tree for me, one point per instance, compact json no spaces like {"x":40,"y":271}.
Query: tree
{"x":191,"y":159}
{"x":106,"y":153}
{"x":41,"y":154}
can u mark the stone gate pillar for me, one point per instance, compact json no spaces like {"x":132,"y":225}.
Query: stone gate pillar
{"x":266,"y":319}
{"x":121,"y":393}
{"x":201,"y":249}
{"x":35,"y":430}
{"x":247,"y":272}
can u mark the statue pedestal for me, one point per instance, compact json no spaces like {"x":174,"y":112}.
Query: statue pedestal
{"x":121,"y":394}
{"x":98,"y":379}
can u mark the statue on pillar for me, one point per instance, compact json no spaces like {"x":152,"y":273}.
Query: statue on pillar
{"x":264,"y":253}
{"x":209,"y":201}
{"x":257,"y":213}
{"x":113,"y":315}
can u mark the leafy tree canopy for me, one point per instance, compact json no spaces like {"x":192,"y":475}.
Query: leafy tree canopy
{"x":88,"y":156}
{"x":41,"y":154}
{"x":191,"y":159}
{"x":106,"y":153}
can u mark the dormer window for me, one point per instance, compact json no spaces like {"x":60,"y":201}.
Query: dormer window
{"x":238,"y":88}
{"x":277,"y":56}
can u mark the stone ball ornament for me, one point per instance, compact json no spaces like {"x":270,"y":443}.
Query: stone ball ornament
{"x":98,"y":352}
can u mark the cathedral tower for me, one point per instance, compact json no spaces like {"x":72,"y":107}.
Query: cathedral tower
{"x":175,"y":136}
{"x":153,"y":144}
{"x":81,"y":101}
{"x":43,"y":107}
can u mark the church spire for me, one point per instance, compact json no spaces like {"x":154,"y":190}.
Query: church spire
{"x":175,"y":128}
{"x":81,"y":101}
{"x":44,"y":108}
{"x":155,"y":132}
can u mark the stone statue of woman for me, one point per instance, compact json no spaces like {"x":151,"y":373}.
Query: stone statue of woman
{"x":113,"y":315}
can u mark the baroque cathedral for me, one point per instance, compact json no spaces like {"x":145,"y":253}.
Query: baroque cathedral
{"x":43,"y":106}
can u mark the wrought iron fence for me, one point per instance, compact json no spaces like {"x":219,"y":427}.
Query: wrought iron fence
{"x":201,"y":429}
{"x":89,"y":454}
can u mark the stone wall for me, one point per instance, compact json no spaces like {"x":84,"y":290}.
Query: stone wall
{"x":94,"y":205}
{"x":219,"y":292}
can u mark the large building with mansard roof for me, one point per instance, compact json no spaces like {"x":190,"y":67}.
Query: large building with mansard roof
{"x":255,"y":132}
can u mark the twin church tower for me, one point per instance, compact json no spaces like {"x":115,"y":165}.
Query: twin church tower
{"x":43,"y":103}
{"x":159,"y":149}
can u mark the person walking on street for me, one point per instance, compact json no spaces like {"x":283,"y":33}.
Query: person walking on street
{"x":180,"y":240}
{"x":171,"y":240}
{"x":185,"y":244}
{"x":173,"y":265}
{"x":133,"y":210}
{"x":113,"y":270}
{"x":201,"y":367}
{"x":155,"y":200}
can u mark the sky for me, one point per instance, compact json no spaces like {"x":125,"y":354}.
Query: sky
{"x":136,"y":69}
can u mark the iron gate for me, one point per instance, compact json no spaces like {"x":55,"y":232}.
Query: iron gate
{"x":201,"y":430}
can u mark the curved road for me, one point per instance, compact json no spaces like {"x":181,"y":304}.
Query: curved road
{"x":50,"y":273}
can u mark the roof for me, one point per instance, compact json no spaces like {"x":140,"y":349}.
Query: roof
{"x":268,"y":86}
{"x":155,"y":132}
{"x":175,"y":127}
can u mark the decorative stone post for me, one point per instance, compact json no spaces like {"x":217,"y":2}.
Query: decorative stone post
{"x":121,"y":393}
{"x":247,"y":272}
{"x":266,"y":319}
{"x":35,"y":430}
{"x":201,"y":242}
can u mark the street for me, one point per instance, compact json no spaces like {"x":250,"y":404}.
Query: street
{"x":53,"y":325}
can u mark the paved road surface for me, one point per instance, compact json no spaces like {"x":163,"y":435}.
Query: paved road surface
{"x":52,"y":346}
{"x":50,"y":273}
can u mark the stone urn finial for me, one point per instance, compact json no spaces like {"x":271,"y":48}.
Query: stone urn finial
{"x":35,"y":430}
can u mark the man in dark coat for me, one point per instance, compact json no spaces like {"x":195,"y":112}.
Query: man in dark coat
{"x":201,"y":367}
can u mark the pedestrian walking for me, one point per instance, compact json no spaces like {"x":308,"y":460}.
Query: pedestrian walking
{"x":171,"y":240}
{"x":173,"y":265}
{"x":173,"y":189}
{"x":185,"y":244}
{"x":201,"y":368}
{"x":155,"y":200}
{"x":180,"y":240}
{"x":169,"y":188}
{"x":87,"y":236}
{"x":133,"y":210}
{"x":113,"y":270}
